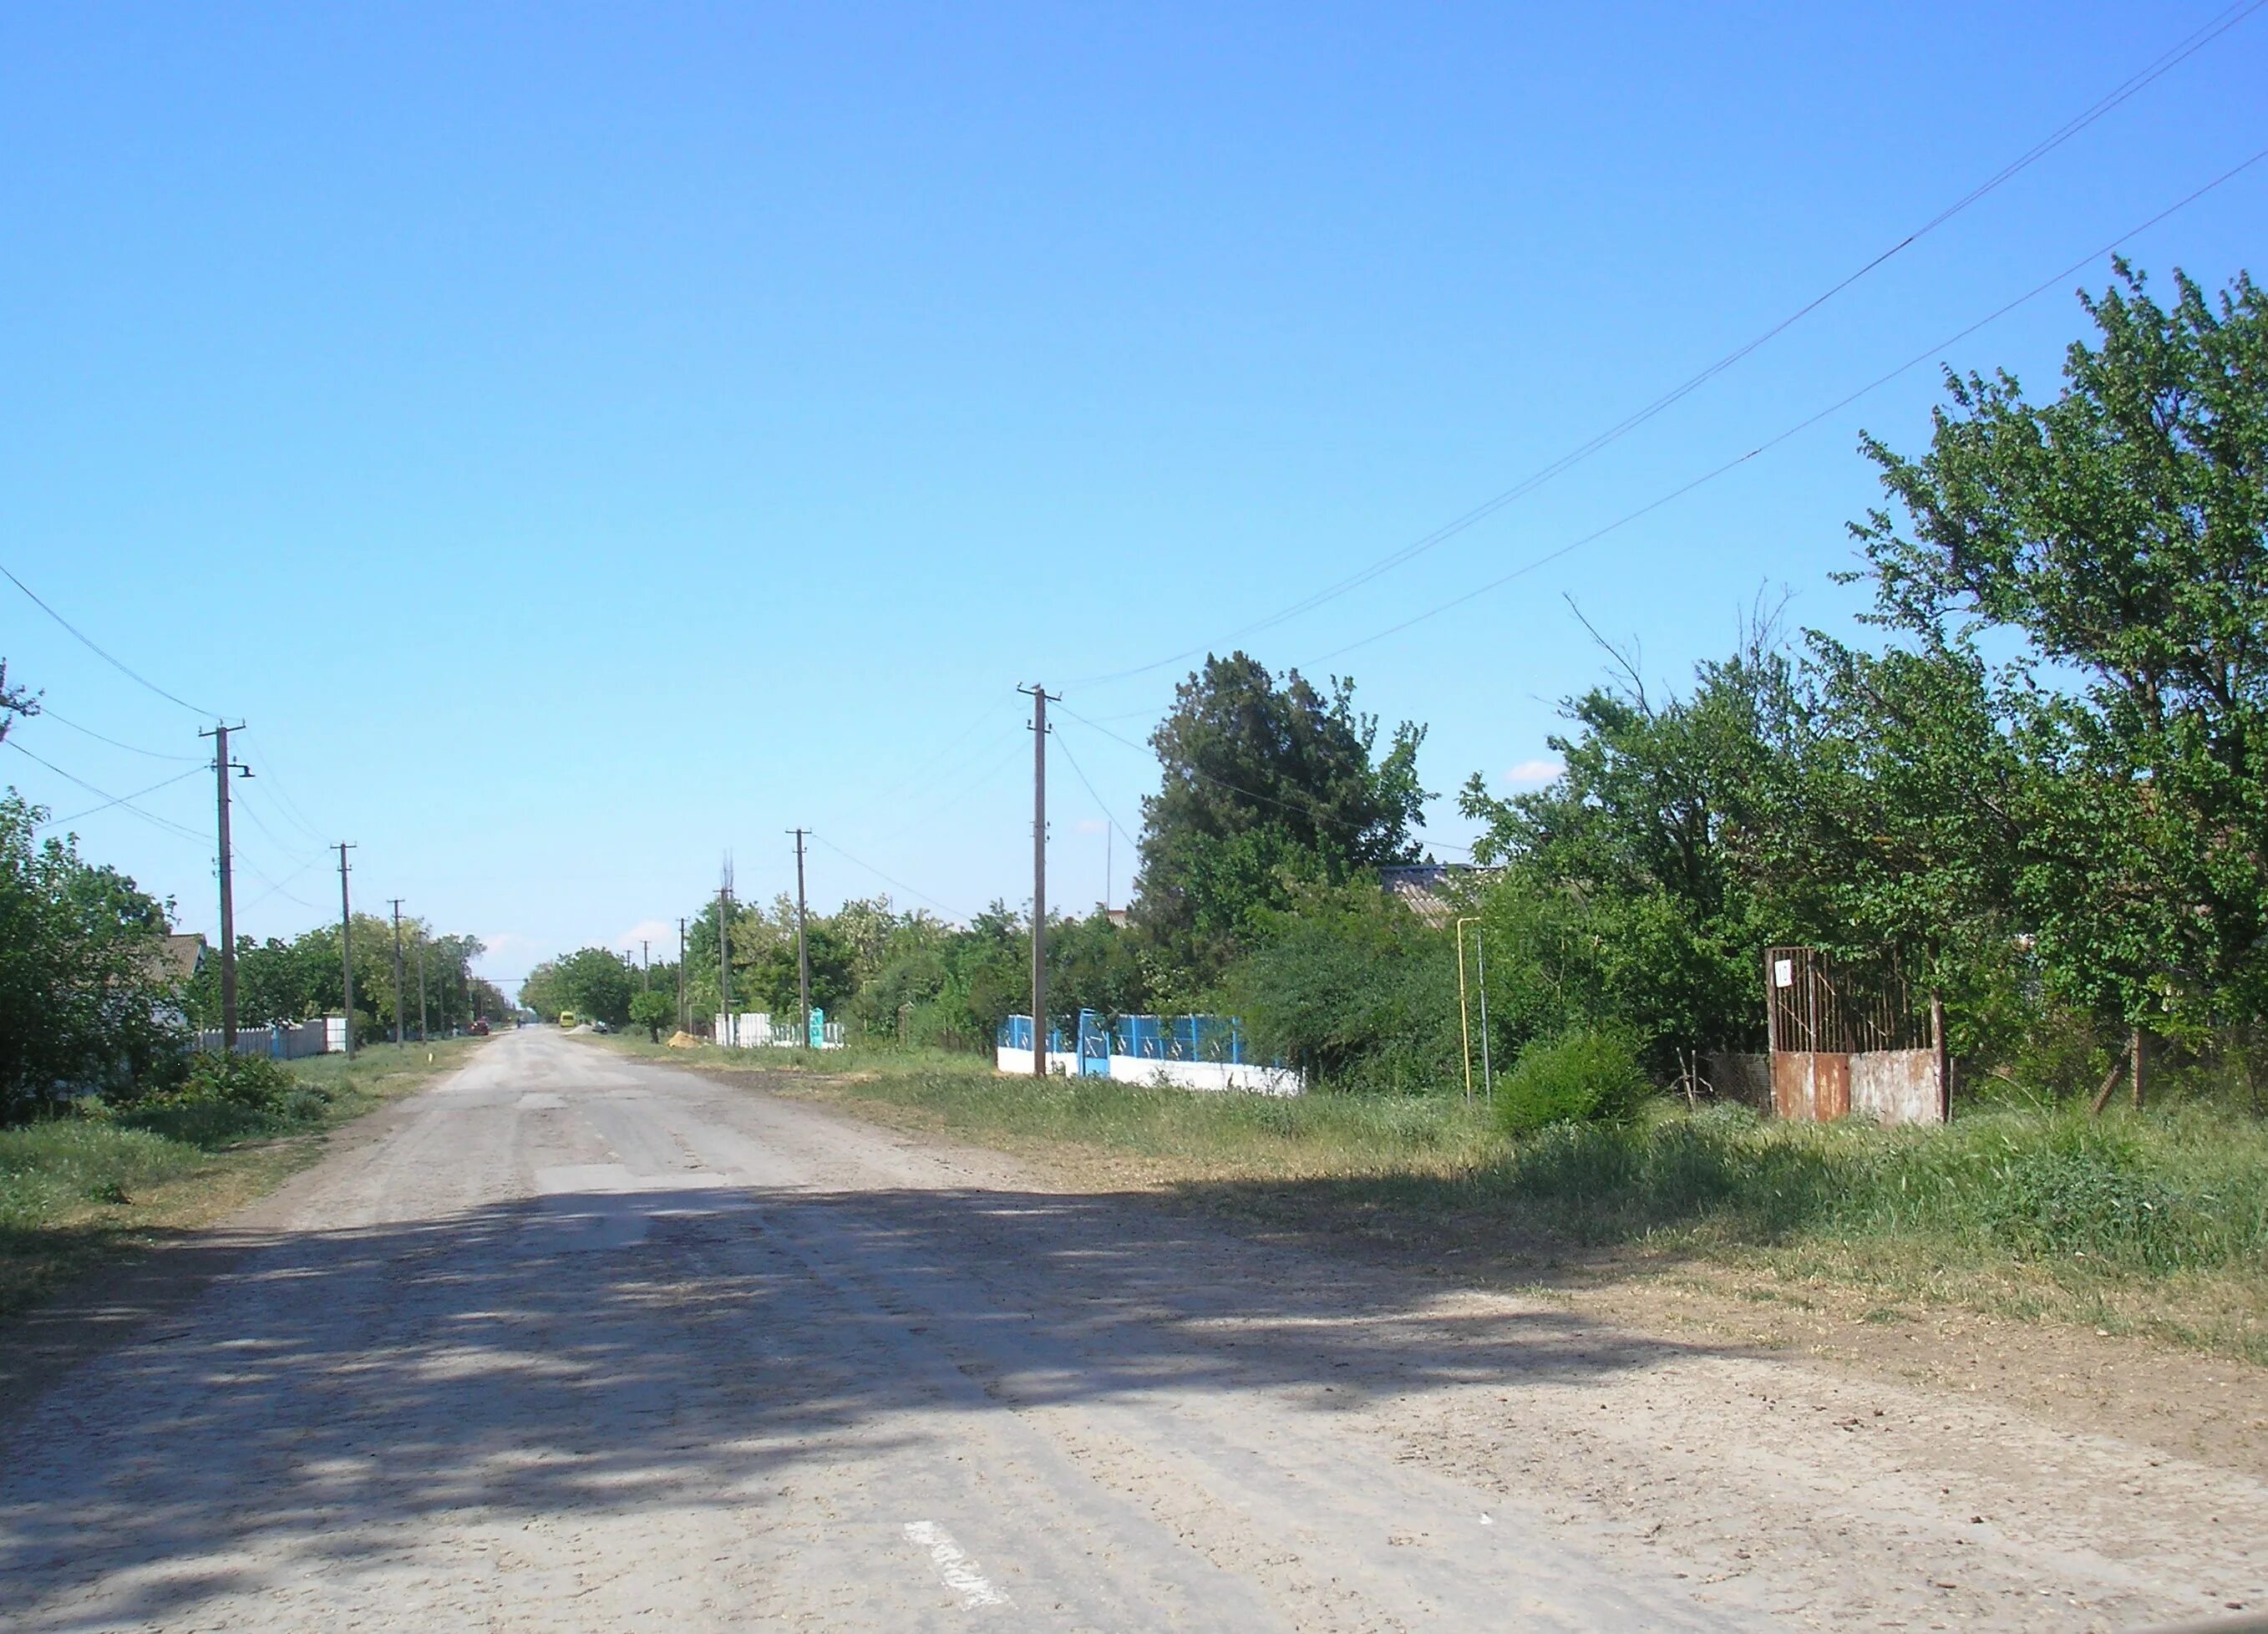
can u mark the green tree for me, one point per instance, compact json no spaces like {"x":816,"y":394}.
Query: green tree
{"x":593,"y":983}
{"x":87,"y":999}
{"x":2121,"y":530}
{"x":774,"y":980}
{"x":653,"y":1010}
{"x":1626,"y":896}
{"x":1263,"y":786}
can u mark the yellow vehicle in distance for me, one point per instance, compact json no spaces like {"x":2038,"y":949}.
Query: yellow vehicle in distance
{"x":566,"y":1019}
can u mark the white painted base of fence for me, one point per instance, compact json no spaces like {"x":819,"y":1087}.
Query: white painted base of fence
{"x":1203,"y":1075}
{"x":1018,"y":1063}
{"x":1243,"y":1076}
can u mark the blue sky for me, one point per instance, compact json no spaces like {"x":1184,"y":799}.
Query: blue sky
{"x":581,"y":441}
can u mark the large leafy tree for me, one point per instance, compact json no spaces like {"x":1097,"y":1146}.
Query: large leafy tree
{"x":1628,"y":893}
{"x":87,"y":999}
{"x":1263,"y":784}
{"x":2121,"y":532}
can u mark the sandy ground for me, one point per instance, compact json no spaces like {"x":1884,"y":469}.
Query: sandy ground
{"x":571,"y":1340}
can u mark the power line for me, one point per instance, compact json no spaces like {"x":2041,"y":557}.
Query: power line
{"x":287,"y":807}
{"x":937,"y":809}
{"x":109,"y":800}
{"x":2180,"y":52}
{"x":64,"y":720}
{"x":87,"y":642}
{"x":885,"y":879}
{"x":57,"y":823}
{"x":1089,"y":787}
{"x":1805,"y":424}
{"x":1307,"y":808}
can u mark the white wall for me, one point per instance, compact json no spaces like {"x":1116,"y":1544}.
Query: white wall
{"x":1212,"y":1075}
{"x":1018,"y":1063}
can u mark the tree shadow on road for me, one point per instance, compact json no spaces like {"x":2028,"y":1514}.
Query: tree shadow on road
{"x":331,"y":1393}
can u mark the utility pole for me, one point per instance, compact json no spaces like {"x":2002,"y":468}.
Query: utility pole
{"x":222,"y":767}
{"x":725,"y":961}
{"x":346,"y":943}
{"x":1040,"y":700}
{"x":645,"y":963}
{"x":681,"y":1017}
{"x":421,"y":989}
{"x":802,"y":952}
{"x":398,"y":982}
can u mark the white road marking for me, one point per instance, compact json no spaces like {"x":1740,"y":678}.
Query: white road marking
{"x":960,"y":1574}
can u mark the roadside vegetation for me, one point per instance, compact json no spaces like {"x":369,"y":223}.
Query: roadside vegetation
{"x":2153,"y":1222}
{"x":77,"y":1189}
{"x":2034,"y":801}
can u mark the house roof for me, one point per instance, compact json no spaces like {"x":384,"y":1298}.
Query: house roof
{"x":183,"y":954}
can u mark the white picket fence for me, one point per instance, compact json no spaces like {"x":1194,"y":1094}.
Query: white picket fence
{"x":325,"y":1035}
{"x":754,"y":1029}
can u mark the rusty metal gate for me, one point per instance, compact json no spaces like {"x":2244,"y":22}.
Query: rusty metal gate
{"x":1847,"y":1039}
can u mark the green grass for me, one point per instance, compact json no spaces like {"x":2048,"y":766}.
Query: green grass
{"x":75,"y":1191}
{"x":2153,"y":1222}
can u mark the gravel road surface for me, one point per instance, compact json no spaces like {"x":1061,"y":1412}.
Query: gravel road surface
{"x":573,"y":1341}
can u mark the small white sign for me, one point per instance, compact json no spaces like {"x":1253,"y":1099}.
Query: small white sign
{"x":1783,"y":972}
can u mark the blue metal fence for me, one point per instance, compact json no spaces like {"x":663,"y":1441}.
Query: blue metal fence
{"x":1217,"y":1039}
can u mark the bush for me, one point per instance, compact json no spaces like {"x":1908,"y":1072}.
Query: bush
{"x":254,"y":1082}
{"x":1584,"y":1075}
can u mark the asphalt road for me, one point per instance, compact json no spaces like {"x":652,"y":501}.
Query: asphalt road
{"x":574,"y":1342}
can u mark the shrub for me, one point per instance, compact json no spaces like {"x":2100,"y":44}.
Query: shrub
{"x":253,"y":1082}
{"x":1584,"y":1075}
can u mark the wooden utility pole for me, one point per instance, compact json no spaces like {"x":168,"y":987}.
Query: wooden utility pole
{"x":1942,"y":1052}
{"x":802,"y":949}
{"x":725,"y":964}
{"x":1039,"y":697}
{"x":399,"y":1038}
{"x":346,"y":943}
{"x":222,"y":767}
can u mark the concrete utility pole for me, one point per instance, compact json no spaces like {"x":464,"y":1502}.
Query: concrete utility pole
{"x":1040,"y":700}
{"x":681,"y":1017}
{"x":802,"y":951}
{"x":398,"y":981}
{"x":645,"y":964}
{"x":421,"y":991}
{"x":346,"y":943}
{"x":222,"y":767}
{"x":724,"y":963}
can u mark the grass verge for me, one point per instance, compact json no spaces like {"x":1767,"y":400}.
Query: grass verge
{"x":2154,"y":1224}
{"x":76,"y":1192}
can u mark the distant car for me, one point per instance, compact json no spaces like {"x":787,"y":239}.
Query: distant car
{"x":600,"y":1027}
{"x":480,"y":1026}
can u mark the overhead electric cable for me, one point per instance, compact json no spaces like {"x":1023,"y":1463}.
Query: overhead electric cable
{"x":1805,"y":424}
{"x":921,"y":766}
{"x":937,"y":808}
{"x":1309,"y":808}
{"x":62,"y":720}
{"x":87,"y":642}
{"x":2180,"y":52}
{"x":57,"y":823}
{"x":1089,"y":786}
{"x":122,"y":800}
{"x":885,"y":879}
{"x":285,"y":804}
{"x":275,"y":887}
